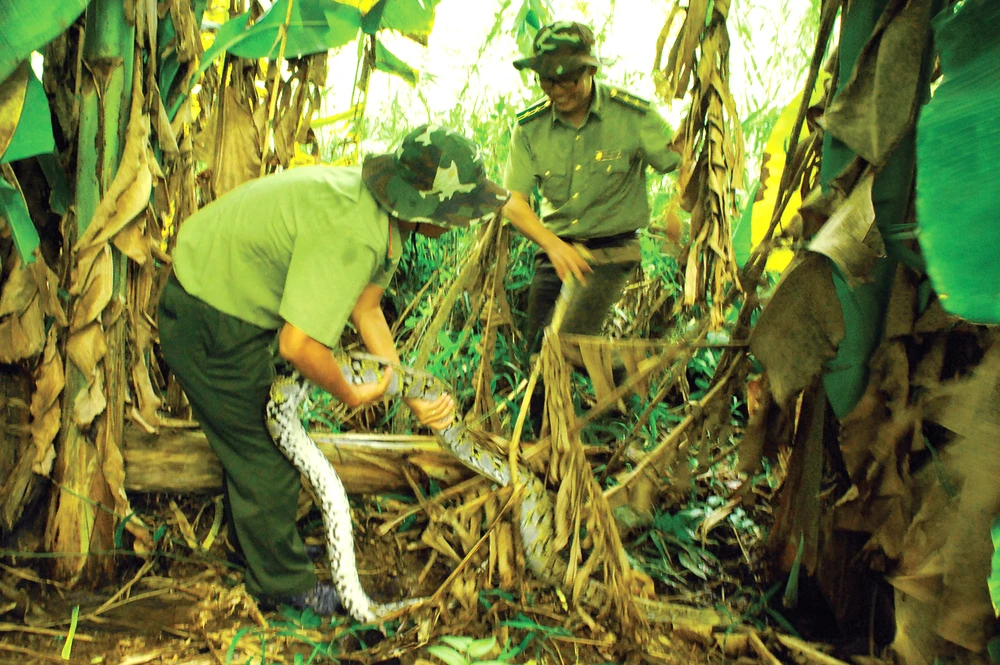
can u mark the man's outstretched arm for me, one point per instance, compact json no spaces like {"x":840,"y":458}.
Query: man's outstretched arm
{"x":565,"y":259}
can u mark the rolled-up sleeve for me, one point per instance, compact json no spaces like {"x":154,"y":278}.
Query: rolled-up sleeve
{"x":655,"y":136}
{"x":519,"y":174}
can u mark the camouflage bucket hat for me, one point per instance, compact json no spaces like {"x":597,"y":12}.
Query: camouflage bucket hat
{"x":435,"y":176}
{"x":561,"y":48}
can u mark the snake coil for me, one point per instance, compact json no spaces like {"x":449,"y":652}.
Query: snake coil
{"x":288,"y":391}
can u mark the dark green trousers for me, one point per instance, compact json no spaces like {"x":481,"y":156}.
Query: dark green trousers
{"x":226,"y":366}
{"x":590,"y":303}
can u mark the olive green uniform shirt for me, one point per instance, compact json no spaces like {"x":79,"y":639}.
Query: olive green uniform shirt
{"x":299,"y":246}
{"x":592,"y":178}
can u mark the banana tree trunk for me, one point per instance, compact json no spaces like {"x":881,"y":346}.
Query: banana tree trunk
{"x":81,"y":520}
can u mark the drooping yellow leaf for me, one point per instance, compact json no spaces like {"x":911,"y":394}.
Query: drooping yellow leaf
{"x":85,"y":348}
{"x":45,"y":406}
{"x":133,"y":242}
{"x":599,"y":361}
{"x":148,"y":400}
{"x":563,"y":515}
{"x":710,"y":143}
{"x":236,"y":133}
{"x":127,"y":196}
{"x":850,"y":238}
{"x":47,"y":284}
{"x":18,"y":290}
{"x":772,"y":165}
{"x":91,"y":402}
{"x":22,"y":335}
{"x":95,"y":288}
{"x":801,"y":327}
{"x":184,"y":526}
{"x":165,"y":134}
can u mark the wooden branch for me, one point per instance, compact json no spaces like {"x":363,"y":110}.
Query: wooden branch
{"x":49,"y":632}
{"x":182,"y":461}
{"x":808,"y":651}
{"x":765,"y":654}
{"x":36,"y":656}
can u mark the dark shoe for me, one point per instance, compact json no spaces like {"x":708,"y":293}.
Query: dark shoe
{"x":316,"y":552}
{"x":322,"y":599}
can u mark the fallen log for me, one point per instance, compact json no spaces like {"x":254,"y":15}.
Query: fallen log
{"x":180,"y":460}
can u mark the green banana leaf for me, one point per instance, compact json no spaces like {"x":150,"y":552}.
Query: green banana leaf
{"x":59,"y":193}
{"x":28,"y":113}
{"x":386,"y":62}
{"x":29,"y":25}
{"x":320,"y":25}
{"x":958,"y":149}
{"x":33,"y":135}
{"x":315,"y":26}
{"x":15,"y":211}
{"x":846,"y":376}
{"x":372,"y":20}
{"x":412,"y":18}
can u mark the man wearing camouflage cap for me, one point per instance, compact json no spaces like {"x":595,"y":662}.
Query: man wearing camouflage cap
{"x":297,"y":254}
{"x":586,"y":147}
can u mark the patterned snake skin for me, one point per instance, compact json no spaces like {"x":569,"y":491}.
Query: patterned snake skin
{"x":287,"y":392}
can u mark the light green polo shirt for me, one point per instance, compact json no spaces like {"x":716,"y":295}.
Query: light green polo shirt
{"x":299,"y":246}
{"x":592,"y":178}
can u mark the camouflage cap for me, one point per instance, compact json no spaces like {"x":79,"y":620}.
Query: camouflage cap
{"x":435,"y":176}
{"x":561,"y":48}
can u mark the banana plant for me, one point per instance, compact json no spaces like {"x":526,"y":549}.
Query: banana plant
{"x":314,"y":26}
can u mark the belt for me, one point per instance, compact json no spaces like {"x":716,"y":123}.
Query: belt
{"x":604,"y":241}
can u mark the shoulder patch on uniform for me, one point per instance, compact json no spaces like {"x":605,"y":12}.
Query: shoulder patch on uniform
{"x":629,"y":100}
{"x":533,"y":111}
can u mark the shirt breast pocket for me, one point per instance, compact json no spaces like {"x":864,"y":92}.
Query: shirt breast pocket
{"x":554,"y":183}
{"x":611,"y":163}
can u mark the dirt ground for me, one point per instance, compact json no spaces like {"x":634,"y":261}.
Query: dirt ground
{"x":191,"y":607}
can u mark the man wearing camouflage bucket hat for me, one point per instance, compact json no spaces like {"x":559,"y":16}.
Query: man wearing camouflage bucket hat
{"x":585,"y":146}
{"x":297,"y":254}
{"x":435,"y":177}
